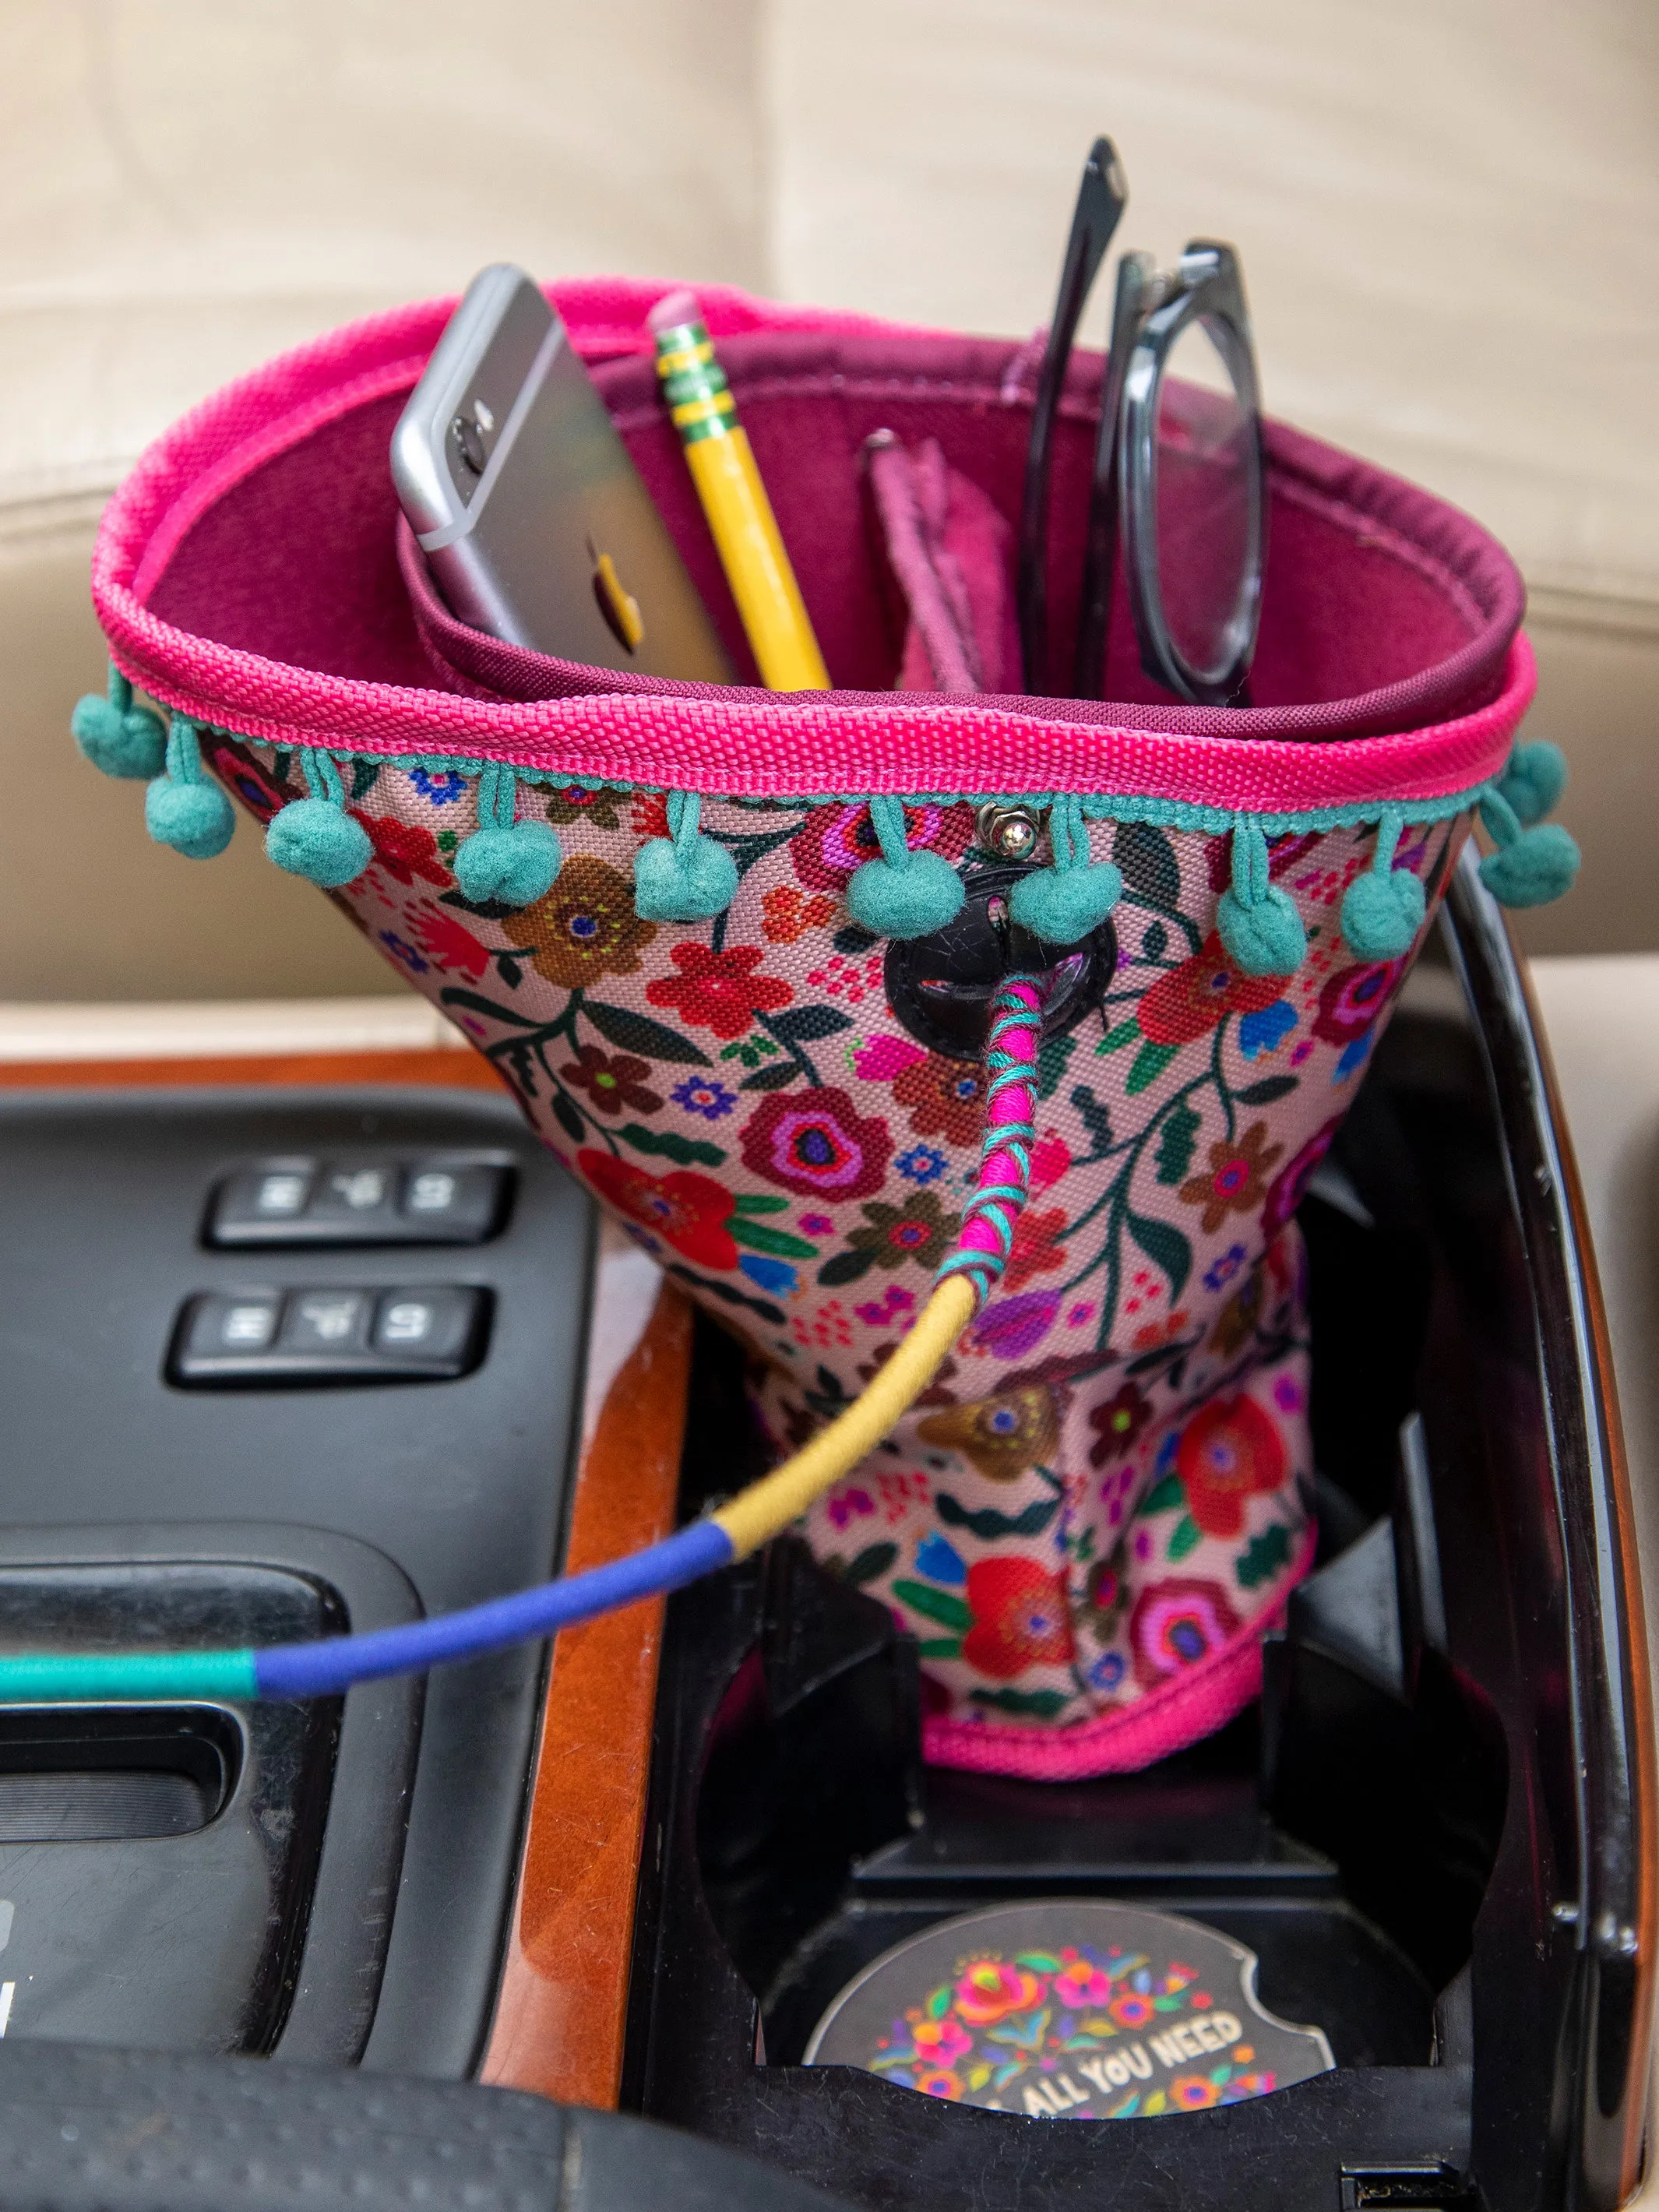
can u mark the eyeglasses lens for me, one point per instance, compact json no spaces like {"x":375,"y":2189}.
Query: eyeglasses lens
{"x":1205,"y":447}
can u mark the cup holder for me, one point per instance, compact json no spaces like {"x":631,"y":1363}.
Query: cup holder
{"x":114,"y":1773}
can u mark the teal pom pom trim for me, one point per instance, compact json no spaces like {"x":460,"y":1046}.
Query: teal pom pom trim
{"x":1258,"y":923}
{"x":315,"y":839}
{"x":686,"y":876}
{"x":1062,"y":906}
{"x":117,"y":736}
{"x":1070,"y":900}
{"x":1538,"y":867}
{"x":181,"y":807}
{"x":509,"y":867}
{"x":1535,"y":780}
{"x":505,"y":862}
{"x":1382,"y":912}
{"x":195,"y":818}
{"x":903,"y":894}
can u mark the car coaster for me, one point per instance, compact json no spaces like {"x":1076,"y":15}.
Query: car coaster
{"x":1068,"y":2009}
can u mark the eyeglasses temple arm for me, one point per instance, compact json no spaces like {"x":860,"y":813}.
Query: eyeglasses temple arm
{"x":1102,"y":197}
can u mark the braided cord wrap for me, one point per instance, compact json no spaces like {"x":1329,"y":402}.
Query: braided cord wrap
{"x":986,"y":1233}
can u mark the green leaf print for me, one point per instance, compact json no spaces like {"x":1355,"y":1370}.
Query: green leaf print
{"x":1149,"y":1063}
{"x":1265,"y":1093}
{"x":1184,"y":1538}
{"x":669,"y":1145}
{"x":1175,"y":1151}
{"x":988,"y":1524}
{"x":865,"y":1566}
{"x":1166,"y":1247}
{"x":1263,"y":1556}
{"x":845,"y":1267}
{"x":1146,"y":860}
{"x":939,"y":1647}
{"x":636,"y":1032}
{"x":780,"y":1072}
{"x":1163,"y":1496}
{"x":568,"y":1118}
{"x":364,"y":775}
{"x":805,"y":1024}
{"x":935,"y":1605}
{"x":1126,"y":1033}
{"x":759,"y":1239}
{"x":758,"y":1201}
{"x":1051,"y":1063}
{"x":1034,"y":1705}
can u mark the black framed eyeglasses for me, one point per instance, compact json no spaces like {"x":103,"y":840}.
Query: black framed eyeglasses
{"x":1178,"y":469}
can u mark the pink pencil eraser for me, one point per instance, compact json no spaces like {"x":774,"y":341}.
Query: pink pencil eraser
{"x":673,"y":309}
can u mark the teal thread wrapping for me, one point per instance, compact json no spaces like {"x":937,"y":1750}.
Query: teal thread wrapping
{"x":95,"y":1678}
{"x":182,"y":807}
{"x":505,"y":862}
{"x":905,"y":893}
{"x":685,"y":876}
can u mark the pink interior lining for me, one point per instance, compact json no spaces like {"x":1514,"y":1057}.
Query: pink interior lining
{"x":249,"y":572}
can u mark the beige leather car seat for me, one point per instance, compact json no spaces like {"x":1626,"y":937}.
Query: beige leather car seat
{"x":1448,"y":218}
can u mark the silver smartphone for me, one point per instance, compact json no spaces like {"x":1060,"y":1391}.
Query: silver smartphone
{"x":533,"y":519}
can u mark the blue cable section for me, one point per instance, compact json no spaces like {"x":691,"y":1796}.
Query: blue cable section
{"x":324,"y":1668}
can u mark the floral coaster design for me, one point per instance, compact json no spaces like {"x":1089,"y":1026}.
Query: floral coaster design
{"x":1068,"y":2009}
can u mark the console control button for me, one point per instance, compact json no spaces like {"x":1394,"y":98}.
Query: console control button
{"x":359,"y":1202}
{"x":263,"y":1339}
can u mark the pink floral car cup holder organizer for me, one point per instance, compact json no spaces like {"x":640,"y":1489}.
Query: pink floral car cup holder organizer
{"x":1101,"y":1502}
{"x":1067,"y":2008}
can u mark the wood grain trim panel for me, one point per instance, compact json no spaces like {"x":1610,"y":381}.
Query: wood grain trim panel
{"x":561,"y":2014}
{"x":443,"y":1069}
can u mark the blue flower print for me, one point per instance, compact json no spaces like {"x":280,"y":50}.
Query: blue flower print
{"x":1354,"y":1056}
{"x":1264,"y":1032}
{"x":698,"y":1096}
{"x":400,"y":950}
{"x":922,"y":1163}
{"x":441,"y":790}
{"x":775,"y":1275}
{"x":1106,"y":1672}
{"x":1225,"y":1268}
{"x":940,"y":1561}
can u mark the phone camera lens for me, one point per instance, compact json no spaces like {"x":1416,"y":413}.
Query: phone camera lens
{"x":467,"y":440}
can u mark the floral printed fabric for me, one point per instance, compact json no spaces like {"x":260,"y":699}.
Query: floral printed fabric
{"x":1102,"y":1499}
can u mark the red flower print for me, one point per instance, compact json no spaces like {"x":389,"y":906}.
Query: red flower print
{"x":1120,"y":1421}
{"x":1021,"y":1619}
{"x":1286,"y":1191}
{"x":649,"y":814}
{"x":1229,"y":1451}
{"x":688,"y":1212}
{"x":403,"y":849}
{"x":613,"y":1082}
{"x":1037,"y":1249}
{"x":946,"y":1097}
{"x":1176,"y":1623}
{"x":993,"y":1988}
{"x":441,"y":937}
{"x":787,"y":916}
{"x":719,"y":991}
{"x":838,"y":839}
{"x":1192,"y":1000}
{"x":1353,"y":999}
{"x":1051,"y":1158}
{"x":815,"y":1142}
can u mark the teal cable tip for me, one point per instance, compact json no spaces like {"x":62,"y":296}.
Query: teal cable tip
{"x":147,"y":1677}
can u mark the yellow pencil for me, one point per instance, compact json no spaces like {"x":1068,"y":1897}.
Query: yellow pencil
{"x":746,"y":530}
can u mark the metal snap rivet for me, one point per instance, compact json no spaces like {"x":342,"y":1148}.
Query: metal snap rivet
{"x":1010,"y":832}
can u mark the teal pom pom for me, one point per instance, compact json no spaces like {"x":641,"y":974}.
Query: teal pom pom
{"x":130,"y":743}
{"x":1535,"y":780}
{"x":509,"y":867}
{"x":195,"y":818}
{"x":1063,"y":905}
{"x":685,"y":880}
{"x":1537,"y":867}
{"x":911,"y":901}
{"x":1383,"y":914}
{"x":313,"y":839}
{"x":1264,"y":939}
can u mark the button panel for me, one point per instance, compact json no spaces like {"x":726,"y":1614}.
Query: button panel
{"x":331,"y":1333}
{"x":282,"y":1202}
